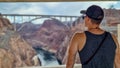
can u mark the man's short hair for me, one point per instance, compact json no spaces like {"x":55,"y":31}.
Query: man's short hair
{"x":96,"y":21}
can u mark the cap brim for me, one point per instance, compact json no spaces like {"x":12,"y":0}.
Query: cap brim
{"x":83,"y":11}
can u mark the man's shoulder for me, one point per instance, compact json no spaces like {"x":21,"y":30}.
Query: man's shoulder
{"x":79,"y":35}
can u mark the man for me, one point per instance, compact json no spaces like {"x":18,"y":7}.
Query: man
{"x":97,"y":48}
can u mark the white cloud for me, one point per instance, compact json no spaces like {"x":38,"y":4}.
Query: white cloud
{"x":52,"y":4}
{"x":30,"y":10}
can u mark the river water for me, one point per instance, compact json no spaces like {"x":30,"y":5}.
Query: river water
{"x":46,"y":58}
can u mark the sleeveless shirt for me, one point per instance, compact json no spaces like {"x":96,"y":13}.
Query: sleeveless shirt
{"x":104,"y":58}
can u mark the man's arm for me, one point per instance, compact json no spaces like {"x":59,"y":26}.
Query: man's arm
{"x":117,"y":54}
{"x":73,"y":48}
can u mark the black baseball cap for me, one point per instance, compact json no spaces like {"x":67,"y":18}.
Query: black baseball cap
{"x":94,"y":12}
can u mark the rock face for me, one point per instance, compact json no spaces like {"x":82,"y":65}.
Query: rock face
{"x":26,"y":29}
{"x":50,"y":35}
{"x":112,"y":12}
{"x":112,"y":17}
{"x":6,"y":59}
{"x":14,"y":50}
{"x":54,"y":36}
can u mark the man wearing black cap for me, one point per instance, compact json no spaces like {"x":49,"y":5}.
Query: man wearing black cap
{"x":97,"y":48}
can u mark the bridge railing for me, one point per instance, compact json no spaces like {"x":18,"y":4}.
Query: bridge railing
{"x":29,"y":16}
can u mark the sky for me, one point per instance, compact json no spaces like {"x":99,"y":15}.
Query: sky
{"x":52,"y":8}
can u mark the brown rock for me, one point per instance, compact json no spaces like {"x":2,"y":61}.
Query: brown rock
{"x":14,"y":50}
{"x":23,"y":51}
{"x":6,"y":59}
{"x":49,"y":35}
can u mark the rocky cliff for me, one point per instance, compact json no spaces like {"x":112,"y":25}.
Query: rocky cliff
{"x":50,"y":35}
{"x":27,"y":29}
{"x":112,"y":17}
{"x":54,"y":36}
{"x":14,"y":50}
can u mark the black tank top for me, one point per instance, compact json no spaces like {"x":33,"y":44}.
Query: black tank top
{"x":104,"y":58}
